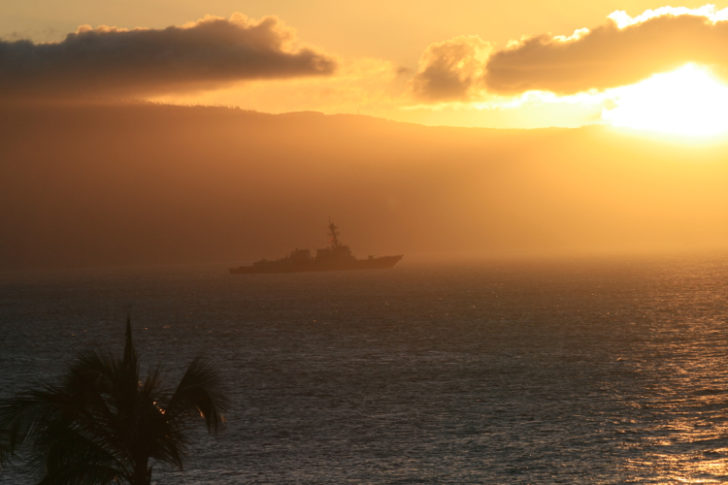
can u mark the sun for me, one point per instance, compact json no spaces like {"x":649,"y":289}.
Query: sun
{"x":689,"y":101}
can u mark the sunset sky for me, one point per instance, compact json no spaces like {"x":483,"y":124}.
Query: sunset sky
{"x":434,"y":128}
{"x":519,"y":64}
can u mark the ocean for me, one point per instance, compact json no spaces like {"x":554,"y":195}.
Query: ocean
{"x":581,"y":371}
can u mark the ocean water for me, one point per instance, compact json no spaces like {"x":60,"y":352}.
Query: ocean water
{"x":609,"y":371}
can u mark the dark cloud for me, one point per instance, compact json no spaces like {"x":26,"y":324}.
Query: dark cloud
{"x":107,"y":61}
{"x":449,"y":70}
{"x":608,"y":56}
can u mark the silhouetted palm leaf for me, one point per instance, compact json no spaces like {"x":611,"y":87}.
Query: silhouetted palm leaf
{"x":103,"y":424}
{"x":199,"y":392}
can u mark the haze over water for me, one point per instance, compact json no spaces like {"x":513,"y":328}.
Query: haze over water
{"x":589,"y":371}
{"x":144,"y":134}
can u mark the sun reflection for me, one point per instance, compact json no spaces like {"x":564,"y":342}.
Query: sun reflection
{"x":688,"y":101}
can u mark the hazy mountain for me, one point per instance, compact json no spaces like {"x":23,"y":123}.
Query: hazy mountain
{"x":158,"y":184}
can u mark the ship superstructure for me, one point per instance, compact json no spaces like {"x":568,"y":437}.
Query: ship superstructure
{"x":337,"y":256}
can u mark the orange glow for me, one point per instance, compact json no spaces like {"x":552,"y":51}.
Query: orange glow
{"x":687,"y":101}
{"x":218,"y":184}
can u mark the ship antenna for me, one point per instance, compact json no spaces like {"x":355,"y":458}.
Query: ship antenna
{"x":334,"y":231}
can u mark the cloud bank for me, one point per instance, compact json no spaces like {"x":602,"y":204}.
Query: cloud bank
{"x":451,"y":69}
{"x":622,"y":51}
{"x":609,"y":56}
{"x":108,"y":61}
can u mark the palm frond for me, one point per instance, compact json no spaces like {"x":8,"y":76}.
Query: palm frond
{"x":21,"y":418}
{"x":102,"y":424}
{"x":199,"y":392}
{"x":74,"y":457}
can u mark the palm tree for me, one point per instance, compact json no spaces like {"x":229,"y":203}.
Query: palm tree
{"x":105,"y":425}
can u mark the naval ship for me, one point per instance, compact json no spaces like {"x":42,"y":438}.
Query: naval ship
{"x":334,"y":258}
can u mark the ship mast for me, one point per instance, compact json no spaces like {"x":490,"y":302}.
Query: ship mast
{"x":334,"y":231}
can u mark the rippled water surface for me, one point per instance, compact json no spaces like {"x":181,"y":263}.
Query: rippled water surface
{"x":578,"y":372}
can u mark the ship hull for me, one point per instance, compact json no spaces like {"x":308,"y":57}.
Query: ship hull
{"x":383,"y":262}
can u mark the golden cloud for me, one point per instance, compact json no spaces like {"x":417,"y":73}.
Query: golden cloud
{"x":452,"y":69}
{"x":609,"y":55}
{"x":622,"y":51}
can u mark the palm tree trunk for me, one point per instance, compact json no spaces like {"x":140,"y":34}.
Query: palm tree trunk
{"x":142,"y":473}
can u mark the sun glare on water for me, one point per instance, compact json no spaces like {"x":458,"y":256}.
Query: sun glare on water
{"x":688,"y":101}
